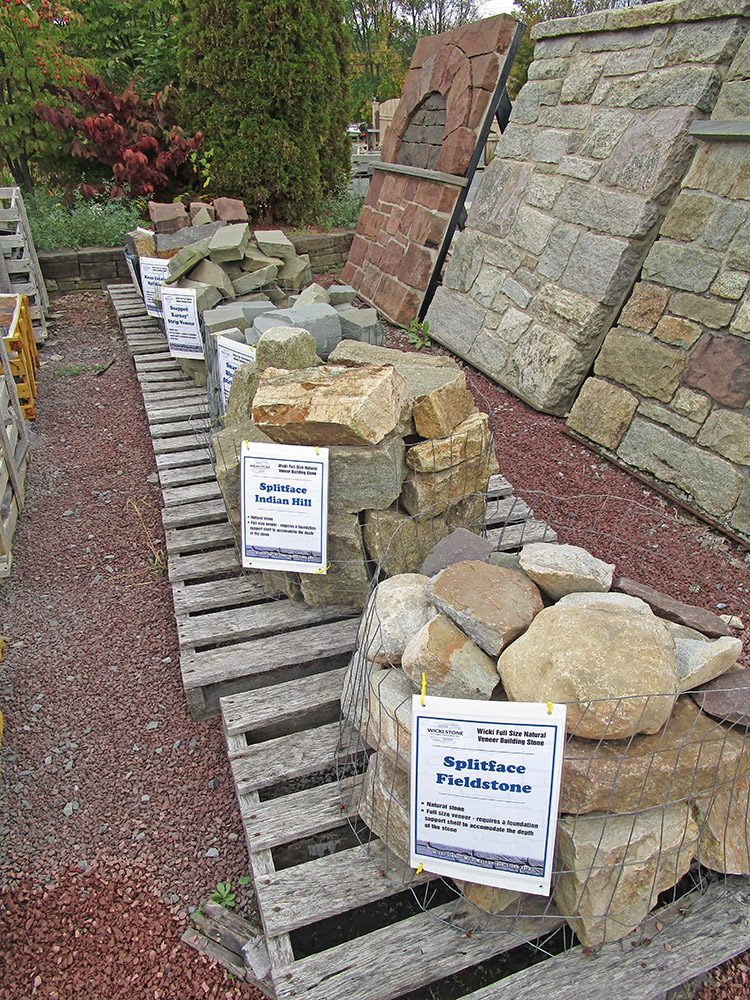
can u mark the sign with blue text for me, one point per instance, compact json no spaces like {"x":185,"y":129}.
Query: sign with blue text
{"x":284,"y":507}
{"x":485,"y":790}
{"x":231,"y":355}
{"x":154,"y":272}
{"x":181,"y":322}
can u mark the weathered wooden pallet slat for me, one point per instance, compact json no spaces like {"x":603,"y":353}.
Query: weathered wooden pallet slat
{"x":292,"y":817}
{"x":195,"y":491}
{"x":285,"y":757}
{"x":180,"y":460}
{"x":293,"y":703}
{"x":181,"y":541}
{"x":202,"y":566}
{"x":219,"y":594}
{"x":189,"y":475}
{"x":191,"y":515}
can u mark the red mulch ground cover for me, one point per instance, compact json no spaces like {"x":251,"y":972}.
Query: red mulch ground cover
{"x":111,"y":798}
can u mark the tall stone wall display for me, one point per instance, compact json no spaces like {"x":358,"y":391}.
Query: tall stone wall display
{"x":426,"y":151}
{"x":598,"y":142}
{"x":670,"y":394}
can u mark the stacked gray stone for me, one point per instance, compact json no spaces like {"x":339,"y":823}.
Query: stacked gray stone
{"x":568,"y":210}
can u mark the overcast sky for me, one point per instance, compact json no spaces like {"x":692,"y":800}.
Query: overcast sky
{"x":490,"y":7}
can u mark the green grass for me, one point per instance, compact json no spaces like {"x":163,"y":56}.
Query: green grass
{"x":68,"y":371}
{"x":54,"y":226}
{"x":340,"y":211}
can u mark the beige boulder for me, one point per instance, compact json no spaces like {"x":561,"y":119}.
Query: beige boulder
{"x":330,"y":404}
{"x":487,"y":897}
{"x":347,"y":581}
{"x":384,"y":805}
{"x":690,"y":755}
{"x":453,"y":665}
{"x":611,"y":869}
{"x":723,"y":819}
{"x":387,"y":725}
{"x":490,"y":604}
{"x":565,"y":569}
{"x":615,"y":668}
{"x":701,"y":660}
{"x":443,"y":409}
{"x":398,"y":609}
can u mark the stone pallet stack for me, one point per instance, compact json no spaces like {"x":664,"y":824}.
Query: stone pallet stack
{"x":20,"y":273}
{"x":410,"y":457}
{"x":657,"y":765}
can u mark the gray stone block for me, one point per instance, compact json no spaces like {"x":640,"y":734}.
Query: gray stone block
{"x":341,"y":295}
{"x":184,"y":237}
{"x":251,"y":281}
{"x":230,"y":243}
{"x":295,"y":274}
{"x":360,"y":324}
{"x":252,"y":310}
{"x":321,"y":320}
{"x":225,"y":317}
{"x":460,"y":545}
{"x":274,"y":243}
{"x":207,"y":296}
{"x":60,"y":264}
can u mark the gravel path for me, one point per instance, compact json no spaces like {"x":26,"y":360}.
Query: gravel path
{"x":113,"y":797}
{"x":110,"y":806}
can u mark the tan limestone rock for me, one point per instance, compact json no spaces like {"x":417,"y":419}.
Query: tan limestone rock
{"x":388,"y":717}
{"x":347,"y":581}
{"x":241,"y":394}
{"x":453,"y":665}
{"x":602,"y":412}
{"x":701,"y":660}
{"x":492,"y":605}
{"x":384,"y":805}
{"x":398,"y":608}
{"x":565,"y":569}
{"x":487,"y":897}
{"x":471,"y":439}
{"x":400,"y":543}
{"x":723,"y":819}
{"x":439,"y":412}
{"x":431,"y":492}
{"x":612,"y":868}
{"x":691,"y":754}
{"x":328,"y":405}
{"x":615,"y":668}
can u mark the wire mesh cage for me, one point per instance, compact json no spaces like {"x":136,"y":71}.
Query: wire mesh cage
{"x":656,"y":774}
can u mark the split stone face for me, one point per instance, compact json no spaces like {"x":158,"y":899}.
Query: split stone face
{"x":454,"y":666}
{"x":366,"y":478}
{"x":285,"y":347}
{"x":186,"y":259}
{"x":459,"y":546}
{"x":491,"y":605}
{"x":612,"y":868}
{"x":169,"y":217}
{"x":242,"y":392}
{"x":400,"y":543}
{"x":439,"y":412}
{"x":722,"y":819}
{"x":347,"y":581}
{"x":313,"y":293}
{"x":360,"y":324}
{"x":254,"y":260}
{"x":727,"y":698}
{"x":254,"y":280}
{"x":330,"y":405}
{"x":295,"y":273}
{"x":229,"y":243}
{"x":388,"y":718}
{"x":397,"y":610}
{"x":423,"y":373}
{"x":689,"y":755}
{"x":319,"y":319}
{"x":227,"y":445}
{"x":700,"y":661}
{"x":211,"y":274}
{"x":206,"y":295}
{"x":275,"y":244}
{"x":603,"y":412}
{"x":429,"y":493}
{"x":230,"y":209}
{"x":640,"y":363}
{"x":565,"y":569}
{"x":384,"y":806}
{"x":168,"y":242}
{"x":616,"y":669}
{"x":339,"y":295}
{"x":470,"y":440}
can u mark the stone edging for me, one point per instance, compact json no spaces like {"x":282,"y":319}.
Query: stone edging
{"x":648,"y":15}
{"x":98,"y":267}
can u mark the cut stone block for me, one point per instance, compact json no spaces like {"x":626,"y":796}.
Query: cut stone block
{"x":230,"y":243}
{"x":274,"y":243}
{"x":313,"y":293}
{"x":230,"y":210}
{"x":470,"y":440}
{"x":211,"y":274}
{"x":206,"y":296}
{"x":139,"y":243}
{"x":366,"y":478}
{"x":165,"y":242}
{"x":339,"y":295}
{"x":254,"y":260}
{"x":251,"y":281}
{"x":722,"y":819}
{"x":428,"y":493}
{"x":241,"y":395}
{"x":347,"y":581}
{"x":229,"y":316}
{"x":168,"y":217}
{"x":260,"y":307}
{"x":360,"y":324}
{"x":332,"y":404}
{"x":319,"y":319}
{"x":186,"y":259}
{"x":286,"y":347}
{"x":384,"y":806}
{"x":201,"y":215}
{"x":295,"y":274}
{"x":437,"y":413}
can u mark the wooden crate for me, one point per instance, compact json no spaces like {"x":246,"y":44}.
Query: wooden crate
{"x":14,"y":454}
{"x":20,"y":344}
{"x":20,"y":272}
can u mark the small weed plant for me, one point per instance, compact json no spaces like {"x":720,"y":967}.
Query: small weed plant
{"x":225,"y":895}
{"x":418,"y":332}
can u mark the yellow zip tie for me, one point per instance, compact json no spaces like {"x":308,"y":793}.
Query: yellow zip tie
{"x":317,"y":450}
{"x":323,"y":570}
{"x":424,"y":687}
{"x":549,"y":708}
{"x":419,"y":870}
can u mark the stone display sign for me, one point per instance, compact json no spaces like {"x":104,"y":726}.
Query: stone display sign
{"x":284,"y":508}
{"x":485,"y":788}
{"x":154,"y":272}
{"x":181,"y":322}
{"x":231,"y":355}
{"x":444,"y":103}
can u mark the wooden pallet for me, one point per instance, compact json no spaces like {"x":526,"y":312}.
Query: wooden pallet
{"x":21,"y":273}
{"x":14,"y":455}
{"x":20,"y":344}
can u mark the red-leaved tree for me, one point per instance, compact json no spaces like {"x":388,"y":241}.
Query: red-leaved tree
{"x":136,"y":139}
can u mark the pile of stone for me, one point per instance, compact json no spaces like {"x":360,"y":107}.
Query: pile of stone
{"x":410,"y":456}
{"x":656,"y":770}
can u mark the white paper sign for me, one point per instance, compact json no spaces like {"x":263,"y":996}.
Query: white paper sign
{"x":154,"y":273}
{"x":485,"y":790}
{"x":284,"y":507}
{"x":181,"y":322}
{"x":133,"y":275}
{"x":231,"y":354}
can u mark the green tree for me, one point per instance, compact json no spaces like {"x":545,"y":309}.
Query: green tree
{"x":265,"y":81}
{"x":33,"y":64}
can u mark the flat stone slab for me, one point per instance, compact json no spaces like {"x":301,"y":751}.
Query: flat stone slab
{"x":727,"y":698}
{"x":674,"y":611}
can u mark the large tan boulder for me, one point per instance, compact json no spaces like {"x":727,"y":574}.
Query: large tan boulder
{"x":690,"y":755}
{"x":565,"y":569}
{"x":615,"y":668}
{"x":453,"y":665}
{"x":398,"y":609}
{"x":612,"y":868}
{"x":400,"y":543}
{"x":329,"y":405}
{"x":491,"y":604}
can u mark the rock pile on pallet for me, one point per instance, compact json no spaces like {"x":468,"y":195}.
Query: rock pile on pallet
{"x":410,"y":455}
{"x":651,"y":780}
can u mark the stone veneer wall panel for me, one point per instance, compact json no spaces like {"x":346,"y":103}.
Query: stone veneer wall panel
{"x":670,"y":394}
{"x":597,"y":145}
{"x":405,"y":218}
